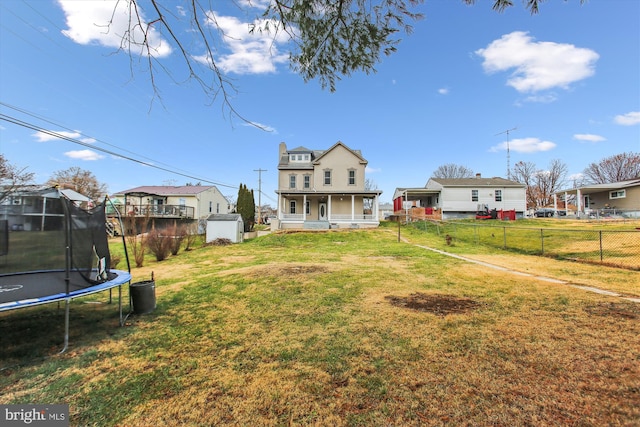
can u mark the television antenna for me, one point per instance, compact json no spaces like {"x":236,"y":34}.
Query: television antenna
{"x":508,"y":131}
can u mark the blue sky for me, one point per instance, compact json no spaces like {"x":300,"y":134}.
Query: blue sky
{"x":567,"y":79}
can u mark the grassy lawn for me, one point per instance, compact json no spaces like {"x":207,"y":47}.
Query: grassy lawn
{"x":340,"y":328}
{"x":609,"y":243}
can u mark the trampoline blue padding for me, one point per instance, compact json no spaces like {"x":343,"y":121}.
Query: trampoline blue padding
{"x":40,"y":287}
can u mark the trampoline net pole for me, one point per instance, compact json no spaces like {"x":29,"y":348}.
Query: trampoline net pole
{"x":66,"y":326}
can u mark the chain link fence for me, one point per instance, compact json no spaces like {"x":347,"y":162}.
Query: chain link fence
{"x":620,"y":248}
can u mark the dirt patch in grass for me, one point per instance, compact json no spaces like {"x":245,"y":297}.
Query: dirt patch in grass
{"x":437,"y":304}
{"x":278,"y":270}
{"x":614,"y":309}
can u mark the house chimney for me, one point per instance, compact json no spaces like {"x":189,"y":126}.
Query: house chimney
{"x":478,"y":176}
{"x":282,"y":151}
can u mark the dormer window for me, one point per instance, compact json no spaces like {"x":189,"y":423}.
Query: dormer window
{"x":299,"y":158}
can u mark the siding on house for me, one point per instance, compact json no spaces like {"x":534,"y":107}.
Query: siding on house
{"x":324,"y":186}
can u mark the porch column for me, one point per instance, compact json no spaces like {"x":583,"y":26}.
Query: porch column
{"x":376,"y":205}
{"x":279,"y":206}
{"x":555,"y":201}
{"x":329,"y":207}
{"x":304,"y":207}
{"x":578,"y":202}
{"x":353,"y":207}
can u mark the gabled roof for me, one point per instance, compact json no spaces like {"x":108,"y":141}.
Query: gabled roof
{"x":356,"y":153}
{"x":167,"y":190}
{"x":316,"y":155}
{"x":473,"y":182}
{"x":225,"y":217}
{"x":595,"y":188}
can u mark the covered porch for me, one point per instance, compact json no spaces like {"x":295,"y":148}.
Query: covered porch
{"x":328,"y":210}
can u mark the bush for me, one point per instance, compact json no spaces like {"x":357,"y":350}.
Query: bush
{"x":159,"y":244}
{"x":114,"y":259}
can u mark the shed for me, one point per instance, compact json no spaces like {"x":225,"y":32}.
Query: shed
{"x":225,"y":226}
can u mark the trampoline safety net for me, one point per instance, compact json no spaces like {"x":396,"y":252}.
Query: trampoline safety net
{"x":43,"y":230}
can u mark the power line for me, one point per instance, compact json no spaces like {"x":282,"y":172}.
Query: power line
{"x":51,"y":122}
{"x":31,"y":126}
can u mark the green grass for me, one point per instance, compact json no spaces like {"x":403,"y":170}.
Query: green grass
{"x":614,"y":244}
{"x":298,"y":328}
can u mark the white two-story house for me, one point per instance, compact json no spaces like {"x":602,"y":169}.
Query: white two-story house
{"x":324,"y":189}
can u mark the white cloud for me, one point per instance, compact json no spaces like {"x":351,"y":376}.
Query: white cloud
{"x":629,"y":119}
{"x":250,"y":53}
{"x":546,"y":98}
{"x":586,"y":137}
{"x":260,"y":4}
{"x":537,"y":65}
{"x":443,"y":91}
{"x":261,"y":126}
{"x":105,"y":23}
{"x":368,"y":169}
{"x":87,"y":155}
{"x":524,"y":145}
{"x":55,"y":135}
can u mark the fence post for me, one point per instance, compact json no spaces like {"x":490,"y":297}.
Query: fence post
{"x":542,"y":240}
{"x":504,"y":233}
{"x":600,"y":245}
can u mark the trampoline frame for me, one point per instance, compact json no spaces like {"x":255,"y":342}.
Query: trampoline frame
{"x":121,"y":278}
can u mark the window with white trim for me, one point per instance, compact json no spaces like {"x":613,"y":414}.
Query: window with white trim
{"x":352,"y":177}
{"x":327,"y":177}
{"x":498,"y":195}
{"x":292,"y":181}
{"x":292,"y":207}
{"x":617,"y":194}
{"x":474,"y":195}
{"x":307,"y":181}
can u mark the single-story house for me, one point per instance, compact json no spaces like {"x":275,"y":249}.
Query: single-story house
{"x":616,"y":198}
{"x":451,"y":198}
{"x":225,"y":226}
{"x":37,"y":208}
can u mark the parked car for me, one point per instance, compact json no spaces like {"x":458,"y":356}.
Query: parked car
{"x":544,"y":212}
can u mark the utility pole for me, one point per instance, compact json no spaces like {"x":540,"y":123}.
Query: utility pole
{"x":260,"y":193}
{"x":508,"y":153}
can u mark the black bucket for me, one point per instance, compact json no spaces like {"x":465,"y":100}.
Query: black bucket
{"x":143,"y":296}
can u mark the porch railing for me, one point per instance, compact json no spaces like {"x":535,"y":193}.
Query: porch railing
{"x":156,"y":211}
{"x":333,"y":218}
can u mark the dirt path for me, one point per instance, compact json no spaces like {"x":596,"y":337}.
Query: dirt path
{"x":535,"y":276}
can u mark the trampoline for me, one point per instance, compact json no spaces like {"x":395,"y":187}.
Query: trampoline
{"x":41,"y":287}
{"x":54,"y":248}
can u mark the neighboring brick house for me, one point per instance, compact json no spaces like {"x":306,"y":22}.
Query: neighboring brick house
{"x":190,"y":202}
{"x":324,"y":189}
{"x":463,"y":197}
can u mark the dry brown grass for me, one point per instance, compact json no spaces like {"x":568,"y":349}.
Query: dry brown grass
{"x":374,"y":333}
